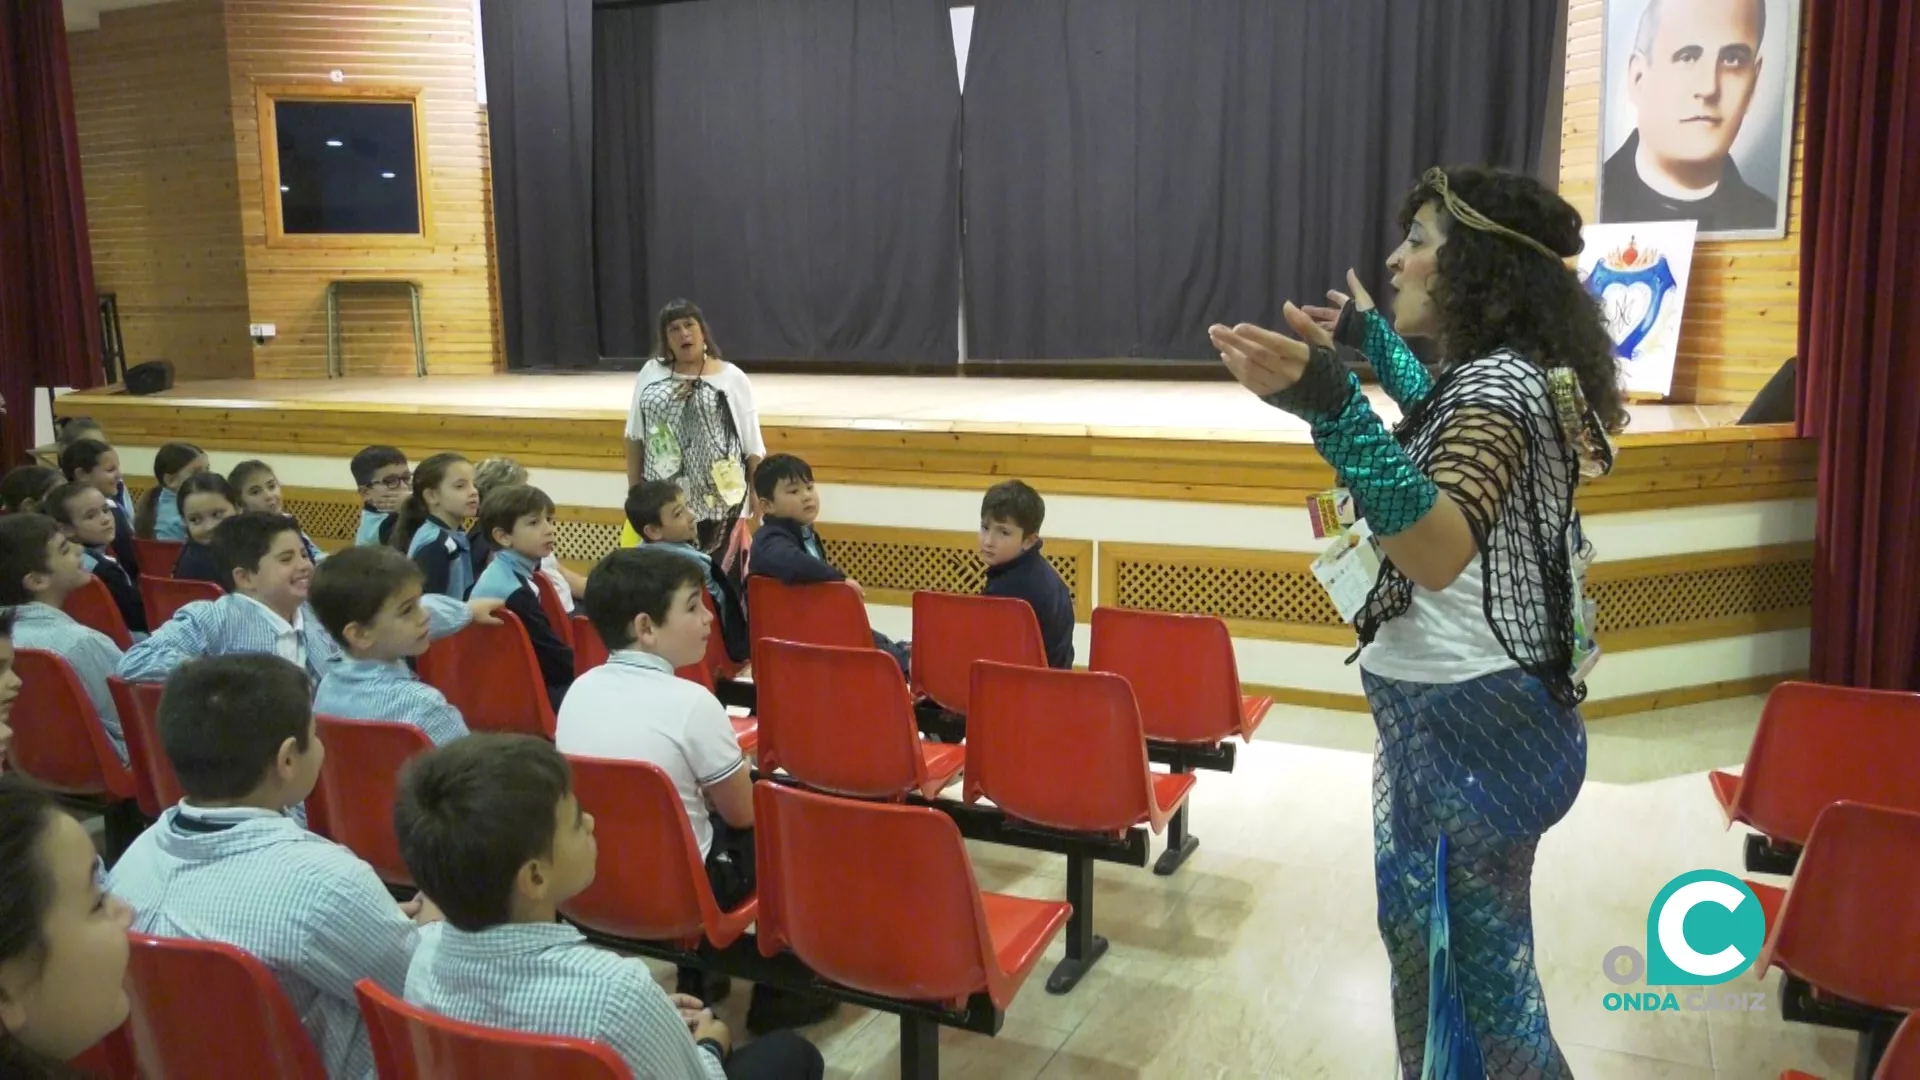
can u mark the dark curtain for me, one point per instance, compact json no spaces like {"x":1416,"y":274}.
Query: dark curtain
{"x":793,"y":168}
{"x":539,"y":56}
{"x":1860,"y":338}
{"x":1138,"y":169}
{"x":49,"y":318}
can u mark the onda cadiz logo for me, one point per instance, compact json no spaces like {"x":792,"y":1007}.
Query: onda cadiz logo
{"x":1704,"y":928}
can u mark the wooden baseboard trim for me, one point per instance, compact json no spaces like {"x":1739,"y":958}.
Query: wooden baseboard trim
{"x":1653,"y":700}
{"x":1310,"y":699}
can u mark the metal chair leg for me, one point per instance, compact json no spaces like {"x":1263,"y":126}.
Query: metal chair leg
{"x":1084,"y":947}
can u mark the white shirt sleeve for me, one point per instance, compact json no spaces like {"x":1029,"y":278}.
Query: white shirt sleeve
{"x":712,"y":749}
{"x":746,"y":416}
{"x":650,"y":373}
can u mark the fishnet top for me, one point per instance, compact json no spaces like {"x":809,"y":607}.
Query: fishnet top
{"x":697,"y":414}
{"x":1487,"y":436}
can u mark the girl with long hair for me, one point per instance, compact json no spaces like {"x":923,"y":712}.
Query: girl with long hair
{"x":693,"y":422}
{"x":159,"y":515}
{"x":258,"y":488}
{"x":1469,"y":655}
{"x":430,"y":530}
{"x":206,"y":500}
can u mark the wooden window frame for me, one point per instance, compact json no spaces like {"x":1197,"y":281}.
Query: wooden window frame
{"x":266,"y":97}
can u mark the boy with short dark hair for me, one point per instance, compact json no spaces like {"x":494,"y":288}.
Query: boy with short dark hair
{"x":658,"y":512}
{"x":490,"y":827}
{"x":39,"y":566}
{"x":371,"y":599}
{"x":267,"y":611}
{"x":1010,"y":519}
{"x":228,"y":864}
{"x":517,"y":521}
{"x":788,"y":550}
{"x":381,"y":474}
{"x":86,"y":516}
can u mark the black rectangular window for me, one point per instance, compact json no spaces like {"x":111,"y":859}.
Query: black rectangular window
{"x":347,"y":167}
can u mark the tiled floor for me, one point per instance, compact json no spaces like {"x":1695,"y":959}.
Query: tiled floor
{"x":1260,"y":957}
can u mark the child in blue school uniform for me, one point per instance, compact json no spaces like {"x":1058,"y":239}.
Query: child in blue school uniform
{"x":158,"y":517}
{"x":370,"y":600}
{"x":658,"y":513}
{"x":517,"y":521}
{"x":430,"y":528}
{"x":96,"y":464}
{"x":381,"y":474}
{"x":206,"y":500}
{"x":257,"y":488}
{"x":85,"y":515}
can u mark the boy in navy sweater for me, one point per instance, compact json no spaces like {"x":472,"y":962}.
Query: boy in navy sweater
{"x":787,"y":549}
{"x":1010,"y":519}
{"x":519,"y":521}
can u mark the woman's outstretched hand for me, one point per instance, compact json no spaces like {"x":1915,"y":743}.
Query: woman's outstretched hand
{"x":1329,"y":317}
{"x":1267,"y":361}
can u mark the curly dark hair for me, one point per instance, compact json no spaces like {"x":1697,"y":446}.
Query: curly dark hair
{"x":1493,"y":291}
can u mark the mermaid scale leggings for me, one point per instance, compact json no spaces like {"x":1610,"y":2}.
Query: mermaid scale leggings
{"x":1491,"y":764}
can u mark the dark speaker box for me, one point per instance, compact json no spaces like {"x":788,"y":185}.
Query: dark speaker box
{"x":150,"y":377}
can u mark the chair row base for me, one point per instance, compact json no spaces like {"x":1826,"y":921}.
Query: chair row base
{"x":1764,"y":856}
{"x":1800,"y":1004}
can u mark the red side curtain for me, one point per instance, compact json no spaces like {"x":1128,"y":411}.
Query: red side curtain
{"x":1860,"y":338}
{"x":49,"y":321}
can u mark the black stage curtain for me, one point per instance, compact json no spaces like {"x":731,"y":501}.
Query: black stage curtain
{"x":1138,"y":169}
{"x":793,"y":168}
{"x":540,"y":119}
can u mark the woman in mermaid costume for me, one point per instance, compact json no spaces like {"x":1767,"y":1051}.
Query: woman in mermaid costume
{"x":1469,"y":651}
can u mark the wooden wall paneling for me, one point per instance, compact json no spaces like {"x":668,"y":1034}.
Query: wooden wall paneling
{"x":424,"y":43}
{"x":1742,"y":316}
{"x":153,"y":110}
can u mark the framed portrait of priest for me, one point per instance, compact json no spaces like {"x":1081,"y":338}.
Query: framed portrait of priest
{"x":1696,"y":114}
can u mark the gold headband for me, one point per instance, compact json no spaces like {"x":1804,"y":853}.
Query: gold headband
{"x":1436,"y":179}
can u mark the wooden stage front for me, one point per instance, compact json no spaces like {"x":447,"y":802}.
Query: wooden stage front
{"x":1185,"y":441}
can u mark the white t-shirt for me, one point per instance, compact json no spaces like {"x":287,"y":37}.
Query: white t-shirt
{"x":729,"y":380}
{"x":1442,"y":637}
{"x":634,"y":708}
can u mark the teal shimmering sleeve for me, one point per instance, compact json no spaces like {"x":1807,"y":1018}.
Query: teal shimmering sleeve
{"x":1392,"y":493}
{"x":1401,"y":373}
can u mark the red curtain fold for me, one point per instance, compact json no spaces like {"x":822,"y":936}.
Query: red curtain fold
{"x":1860,"y":338}
{"x":49,"y":318}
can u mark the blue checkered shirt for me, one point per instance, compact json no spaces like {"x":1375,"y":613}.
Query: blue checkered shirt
{"x":238,"y":624}
{"x":545,"y":979}
{"x":91,"y":654}
{"x":387,"y":690}
{"x":307,"y":908}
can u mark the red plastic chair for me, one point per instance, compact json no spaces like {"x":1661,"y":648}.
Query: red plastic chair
{"x":882,"y":898}
{"x":412,"y":1043}
{"x":1902,"y":1060}
{"x":951,"y":631}
{"x":841,"y":720}
{"x":92,"y":605}
{"x":829,"y":613}
{"x":557,"y":615}
{"x":208,"y":1011}
{"x":1842,"y":926}
{"x":352,"y":804}
{"x":652,"y":884}
{"x":155,"y":785}
{"x":58,"y":740}
{"x":489,"y":673}
{"x":1818,"y":745}
{"x":716,"y":664}
{"x":589,"y":651}
{"x":1065,"y":749}
{"x":1187,"y":684}
{"x":157,"y":557}
{"x":163,"y":596}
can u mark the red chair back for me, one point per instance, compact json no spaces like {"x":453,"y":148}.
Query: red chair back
{"x":557,"y":615}
{"x":155,"y":787}
{"x":875,"y":896}
{"x":1902,"y":1060}
{"x":411,"y":1043}
{"x":92,"y":605}
{"x":1058,"y":748}
{"x":1847,"y":925}
{"x":716,"y":664}
{"x":57,"y":738}
{"x":951,"y":631}
{"x":1181,"y":668}
{"x":157,"y":557}
{"x":358,"y":784}
{"x":589,"y":651}
{"x":164,"y":595}
{"x":1817,"y":745}
{"x":651,"y":883}
{"x":204,"y":1009}
{"x":489,"y":673}
{"x":837,"y":719}
{"x":828,"y":613}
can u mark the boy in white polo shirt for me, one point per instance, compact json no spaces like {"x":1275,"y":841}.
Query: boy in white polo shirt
{"x":646,"y":604}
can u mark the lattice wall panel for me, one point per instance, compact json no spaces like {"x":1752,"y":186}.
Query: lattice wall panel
{"x":902,"y":565}
{"x":584,"y":541}
{"x":1696,"y":595}
{"x":1249,"y":594}
{"x":325,"y":519}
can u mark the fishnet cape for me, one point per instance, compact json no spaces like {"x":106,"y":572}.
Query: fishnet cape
{"x":1487,"y":436}
{"x":699,"y":416}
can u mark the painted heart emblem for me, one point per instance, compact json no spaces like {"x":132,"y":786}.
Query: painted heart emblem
{"x":1624,"y":305}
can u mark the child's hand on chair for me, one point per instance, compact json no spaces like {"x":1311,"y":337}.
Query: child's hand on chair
{"x":483,"y":611}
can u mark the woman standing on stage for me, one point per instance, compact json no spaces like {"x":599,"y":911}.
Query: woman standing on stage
{"x":1467,"y":638}
{"x":693,"y":422}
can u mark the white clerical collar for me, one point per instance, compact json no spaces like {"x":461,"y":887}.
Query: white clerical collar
{"x":1655,"y":179}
